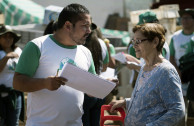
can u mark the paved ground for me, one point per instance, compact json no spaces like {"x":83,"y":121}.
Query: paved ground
{"x":190,"y":120}
{"x":106,"y":113}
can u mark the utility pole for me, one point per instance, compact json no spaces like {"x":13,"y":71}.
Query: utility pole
{"x":124,"y":9}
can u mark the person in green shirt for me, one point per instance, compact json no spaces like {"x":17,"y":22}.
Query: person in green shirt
{"x":181,"y":44}
{"x":190,"y":48}
{"x":180,"y":39}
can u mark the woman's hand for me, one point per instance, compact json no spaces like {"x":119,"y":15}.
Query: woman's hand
{"x":131,"y":58}
{"x":117,"y":104}
{"x":133,"y":66}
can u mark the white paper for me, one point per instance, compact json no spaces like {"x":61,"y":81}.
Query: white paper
{"x":86,"y":82}
{"x":134,"y":63}
{"x":120,"y":57}
{"x":109,"y":73}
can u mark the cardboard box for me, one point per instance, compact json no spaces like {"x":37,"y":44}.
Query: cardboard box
{"x":2,"y":19}
{"x":122,"y":24}
{"x":51,"y":13}
{"x":134,"y":15}
{"x":163,"y":12}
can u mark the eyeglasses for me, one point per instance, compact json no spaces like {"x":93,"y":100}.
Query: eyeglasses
{"x":137,"y":41}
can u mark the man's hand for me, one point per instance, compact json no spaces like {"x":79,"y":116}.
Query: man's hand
{"x":116,"y":81}
{"x":53,"y":83}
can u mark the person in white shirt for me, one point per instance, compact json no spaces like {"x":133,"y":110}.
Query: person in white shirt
{"x":10,"y":99}
{"x":179,"y":45}
{"x":50,"y":102}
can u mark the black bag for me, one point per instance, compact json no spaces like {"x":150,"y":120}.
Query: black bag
{"x":187,"y":67}
{"x":187,"y":73}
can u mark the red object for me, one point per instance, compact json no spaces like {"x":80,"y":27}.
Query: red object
{"x":111,"y":117}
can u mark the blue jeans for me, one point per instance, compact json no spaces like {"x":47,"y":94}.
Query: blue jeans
{"x":11,"y":115}
{"x":92,"y":109}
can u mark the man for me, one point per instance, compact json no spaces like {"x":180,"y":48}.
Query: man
{"x":49,"y":102}
{"x":181,"y":38}
{"x":180,"y":45}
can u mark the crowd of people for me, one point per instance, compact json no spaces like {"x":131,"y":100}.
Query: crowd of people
{"x":157,"y":98}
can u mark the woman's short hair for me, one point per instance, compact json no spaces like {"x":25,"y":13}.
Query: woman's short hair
{"x":152,"y":30}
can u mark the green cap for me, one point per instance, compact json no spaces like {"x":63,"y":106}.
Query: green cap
{"x":147,"y":17}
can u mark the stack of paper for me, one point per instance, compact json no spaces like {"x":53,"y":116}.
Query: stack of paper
{"x":86,"y":82}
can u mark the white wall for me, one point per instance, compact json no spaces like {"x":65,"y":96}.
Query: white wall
{"x":133,"y":5}
{"x":99,"y":9}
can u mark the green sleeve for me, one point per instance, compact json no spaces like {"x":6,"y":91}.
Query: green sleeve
{"x":112,"y":49}
{"x":163,"y":52}
{"x":92,"y":68}
{"x":190,"y":46}
{"x":106,"y":60}
{"x":29,"y":60}
{"x":171,"y":46}
{"x":132,"y":51}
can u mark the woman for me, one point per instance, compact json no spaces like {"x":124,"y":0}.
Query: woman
{"x":157,"y":97}
{"x":147,"y":17}
{"x":92,"y":105}
{"x":50,"y":28}
{"x":10,"y":99}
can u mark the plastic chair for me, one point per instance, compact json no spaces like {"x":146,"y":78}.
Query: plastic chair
{"x":111,"y":117}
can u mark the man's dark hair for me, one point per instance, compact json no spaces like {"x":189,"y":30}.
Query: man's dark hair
{"x":189,"y":11}
{"x":71,"y":13}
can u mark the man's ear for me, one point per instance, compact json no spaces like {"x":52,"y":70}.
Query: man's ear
{"x":68,"y":25}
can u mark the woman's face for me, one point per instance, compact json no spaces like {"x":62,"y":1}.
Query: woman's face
{"x":141,"y":45}
{"x":6,"y":40}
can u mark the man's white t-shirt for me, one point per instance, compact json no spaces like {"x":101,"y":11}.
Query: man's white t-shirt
{"x":179,"y":45}
{"x":42,"y":57}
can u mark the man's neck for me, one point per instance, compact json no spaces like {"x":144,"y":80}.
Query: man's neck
{"x":188,"y":31}
{"x":63,"y":38}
